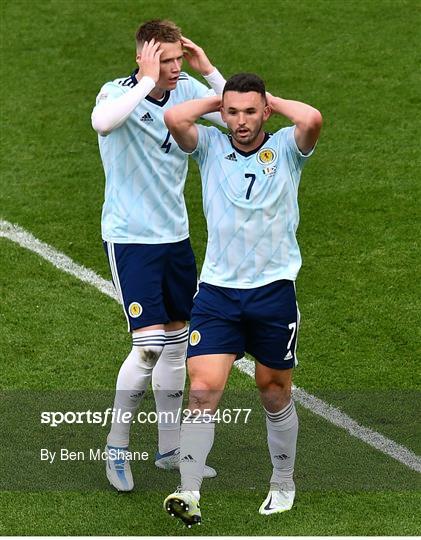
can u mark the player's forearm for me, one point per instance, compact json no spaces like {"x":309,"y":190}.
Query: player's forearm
{"x":215,"y":80}
{"x":300,"y":114}
{"x":215,"y":118}
{"x":109,"y":115}
{"x":181,"y":120}
{"x":184,"y":115}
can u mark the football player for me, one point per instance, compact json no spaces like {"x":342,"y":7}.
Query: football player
{"x":246,"y":299}
{"x":145,"y":229}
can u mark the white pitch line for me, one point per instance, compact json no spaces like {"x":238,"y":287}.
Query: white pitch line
{"x":59,"y":260}
{"x":369,"y":436}
{"x":312,"y":403}
{"x":338,"y":418}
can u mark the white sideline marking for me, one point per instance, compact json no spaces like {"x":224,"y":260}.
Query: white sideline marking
{"x":369,"y":436}
{"x":312,"y":403}
{"x":59,"y":260}
{"x":342,"y":420}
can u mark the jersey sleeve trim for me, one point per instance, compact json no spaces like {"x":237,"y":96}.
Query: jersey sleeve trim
{"x":294,"y":144}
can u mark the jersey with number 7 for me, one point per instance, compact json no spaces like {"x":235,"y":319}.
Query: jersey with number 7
{"x":251,"y":208}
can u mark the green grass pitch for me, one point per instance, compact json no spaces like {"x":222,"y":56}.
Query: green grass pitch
{"x":358,"y":290}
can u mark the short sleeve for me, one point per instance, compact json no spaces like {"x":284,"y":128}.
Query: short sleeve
{"x":200,"y":153}
{"x":294,"y":154}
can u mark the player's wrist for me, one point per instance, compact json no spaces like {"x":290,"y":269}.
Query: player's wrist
{"x":208,"y":70}
{"x":215,"y":80}
{"x":149,"y":79}
{"x":214,"y":103}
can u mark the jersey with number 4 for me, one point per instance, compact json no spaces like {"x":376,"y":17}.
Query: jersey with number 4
{"x":251,"y":208}
{"x":145,"y":170}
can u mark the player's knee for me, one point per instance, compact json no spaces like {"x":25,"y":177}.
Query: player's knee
{"x":148,"y":347}
{"x":201,"y":384}
{"x":276,"y":389}
{"x":204,"y":395}
{"x":148,"y":356}
{"x":275,"y":395}
{"x":176,"y":353}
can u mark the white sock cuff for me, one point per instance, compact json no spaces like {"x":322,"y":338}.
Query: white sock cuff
{"x":175,"y":337}
{"x":283,"y":416}
{"x":202,"y":419}
{"x":148,"y":338}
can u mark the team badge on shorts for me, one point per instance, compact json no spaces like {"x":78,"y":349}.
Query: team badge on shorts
{"x":195,"y":337}
{"x":135,"y":310}
{"x":266,"y":156}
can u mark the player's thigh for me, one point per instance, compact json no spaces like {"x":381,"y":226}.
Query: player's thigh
{"x":215,"y":326}
{"x":209,"y":371}
{"x":137,"y":272}
{"x":208,"y":376}
{"x":272,"y":322}
{"x":180,"y":281}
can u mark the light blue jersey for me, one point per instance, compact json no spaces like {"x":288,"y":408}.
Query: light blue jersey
{"x":145,"y":170}
{"x":251,"y":208}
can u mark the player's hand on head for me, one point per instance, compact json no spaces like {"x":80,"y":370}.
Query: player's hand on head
{"x":149,"y":59}
{"x":269,"y":98}
{"x":196,"y":57}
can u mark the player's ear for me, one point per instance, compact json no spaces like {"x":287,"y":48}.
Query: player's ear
{"x":138,"y":57}
{"x":139,"y":47}
{"x":266,"y":113}
{"x":222,"y":111}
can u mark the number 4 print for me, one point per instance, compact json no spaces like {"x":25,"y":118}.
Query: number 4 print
{"x":166,"y":145}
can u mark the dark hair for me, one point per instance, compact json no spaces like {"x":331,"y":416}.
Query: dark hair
{"x":245,"y":82}
{"x":161,"y":30}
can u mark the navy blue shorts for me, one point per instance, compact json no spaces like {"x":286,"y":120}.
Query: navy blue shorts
{"x":262,"y":321}
{"x":155,"y":282}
